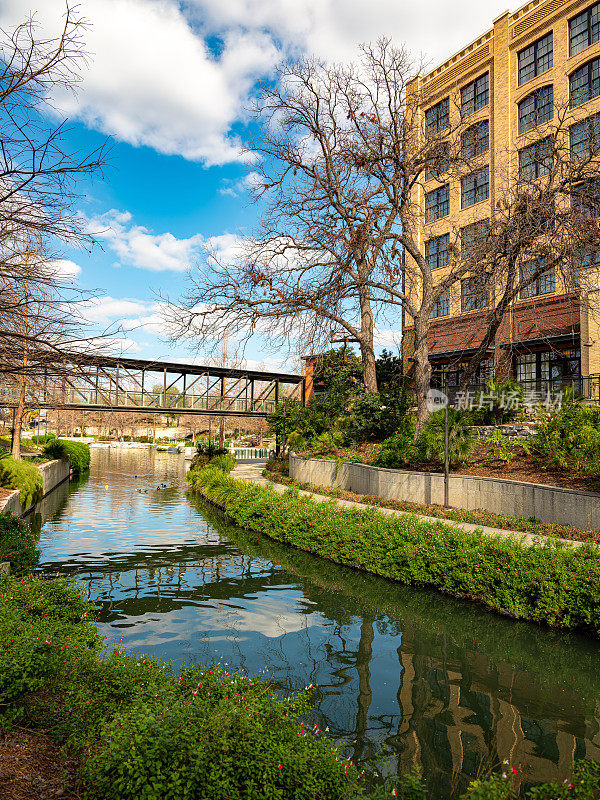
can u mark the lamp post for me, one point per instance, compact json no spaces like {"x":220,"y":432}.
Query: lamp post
{"x":446,"y":459}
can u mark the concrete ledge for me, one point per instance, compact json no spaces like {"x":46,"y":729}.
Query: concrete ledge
{"x":512,"y":498}
{"x":53,"y":474}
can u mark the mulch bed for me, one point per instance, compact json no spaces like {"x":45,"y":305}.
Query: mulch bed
{"x":482,"y":462}
{"x":33,"y":766}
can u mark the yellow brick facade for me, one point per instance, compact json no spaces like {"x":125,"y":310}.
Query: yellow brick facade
{"x":496,"y":52}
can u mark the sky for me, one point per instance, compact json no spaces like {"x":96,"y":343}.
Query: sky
{"x":170,"y":83}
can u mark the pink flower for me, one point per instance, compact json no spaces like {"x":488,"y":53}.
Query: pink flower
{"x":280,"y":766}
{"x":394,"y":793}
{"x":195,"y":693}
{"x":513,"y":770}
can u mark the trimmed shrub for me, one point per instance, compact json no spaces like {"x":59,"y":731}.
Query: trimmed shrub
{"x":375,"y":416}
{"x":77,"y":453}
{"x":547,"y":582}
{"x":17,"y":545}
{"x":225,"y":462}
{"x":23,"y":476}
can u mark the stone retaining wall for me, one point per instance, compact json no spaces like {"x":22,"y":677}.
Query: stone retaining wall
{"x":512,"y":498}
{"x":53,"y":474}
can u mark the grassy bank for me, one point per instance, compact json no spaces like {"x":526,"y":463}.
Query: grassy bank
{"x":275,"y":473}
{"x":78,"y":453}
{"x":547,"y":583}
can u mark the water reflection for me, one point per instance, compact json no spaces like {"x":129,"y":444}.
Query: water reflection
{"x":426,"y":679}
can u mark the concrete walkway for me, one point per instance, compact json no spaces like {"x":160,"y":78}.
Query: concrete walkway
{"x":253,"y":472}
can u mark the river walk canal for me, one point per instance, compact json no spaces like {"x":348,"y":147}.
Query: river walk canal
{"x":411,"y":675}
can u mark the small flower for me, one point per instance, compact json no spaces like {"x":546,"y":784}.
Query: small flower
{"x":513,"y":770}
{"x":394,"y":793}
{"x":280,"y":766}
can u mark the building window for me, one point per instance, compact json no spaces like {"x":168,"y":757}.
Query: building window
{"x":543,"y":283}
{"x":439,"y":161}
{"x":535,"y":59}
{"x":436,"y":251}
{"x":536,"y":108}
{"x":584,"y":83}
{"x":536,"y":160}
{"x":474,"y":293}
{"x":437,"y":203}
{"x":476,"y":139}
{"x":442,"y":306}
{"x":437,"y":118}
{"x":585,"y":138}
{"x":585,"y":199}
{"x":448,"y":376}
{"x":475,"y":95}
{"x":549,"y":370}
{"x":584,"y":29}
{"x":475,"y":187}
{"x":474,"y":239}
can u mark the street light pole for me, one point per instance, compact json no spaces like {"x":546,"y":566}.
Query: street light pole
{"x":446,"y":458}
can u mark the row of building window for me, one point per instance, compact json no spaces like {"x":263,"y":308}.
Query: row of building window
{"x":544,"y":370}
{"x":533,"y":110}
{"x":475,"y":293}
{"x":534,"y":60}
{"x":538,"y":107}
{"x":475,"y":188}
{"x":537,"y":58}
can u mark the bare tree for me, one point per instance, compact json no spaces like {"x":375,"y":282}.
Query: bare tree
{"x":345,"y":157}
{"x":39,"y":173}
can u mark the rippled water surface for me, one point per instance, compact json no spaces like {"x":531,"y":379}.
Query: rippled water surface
{"x":419,"y":677}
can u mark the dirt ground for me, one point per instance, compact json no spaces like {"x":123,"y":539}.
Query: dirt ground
{"x":485,"y":463}
{"x":33,"y":767}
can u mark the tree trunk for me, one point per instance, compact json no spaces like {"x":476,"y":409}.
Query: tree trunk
{"x":367,"y":350}
{"x":422,"y":374}
{"x":19,"y":412}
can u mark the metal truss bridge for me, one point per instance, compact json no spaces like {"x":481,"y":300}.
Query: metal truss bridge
{"x":105,"y":383}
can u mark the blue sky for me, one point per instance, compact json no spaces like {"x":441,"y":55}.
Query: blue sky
{"x":170,"y":83}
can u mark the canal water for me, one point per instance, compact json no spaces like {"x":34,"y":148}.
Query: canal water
{"x":407,"y":676}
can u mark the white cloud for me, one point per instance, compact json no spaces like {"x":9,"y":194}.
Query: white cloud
{"x":65,"y":270}
{"x":153,"y":79}
{"x":249,"y":183}
{"x":137,"y":246}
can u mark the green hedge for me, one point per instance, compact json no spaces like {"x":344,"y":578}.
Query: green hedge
{"x":77,"y":453}
{"x":23,"y":476}
{"x":17,"y":545}
{"x":547,"y":582}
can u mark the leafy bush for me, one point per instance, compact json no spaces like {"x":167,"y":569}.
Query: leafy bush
{"x":77,"y":453}
{"x":398,"y":450}
{"x":309,"y":422}
{"x":502,"y":401}
{"x":225,"y":462}
{"x":17,"y":545}
{"x":215,"y":737}
{"x":280,"y":466}
{"x":570,"y":435}
{"x":210,"y":450}
{"x":546,"y":582}
{"x":23,"y":476}
{"x":431,"y":444}
{"x":375,"y":416}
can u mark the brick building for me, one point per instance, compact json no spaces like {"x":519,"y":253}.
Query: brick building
{"x":509,"y":83}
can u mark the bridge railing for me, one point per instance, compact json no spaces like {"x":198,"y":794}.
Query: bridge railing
{"x":136,"y":400}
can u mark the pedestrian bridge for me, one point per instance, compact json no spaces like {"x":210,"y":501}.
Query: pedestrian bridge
{"x":107,"y":383}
